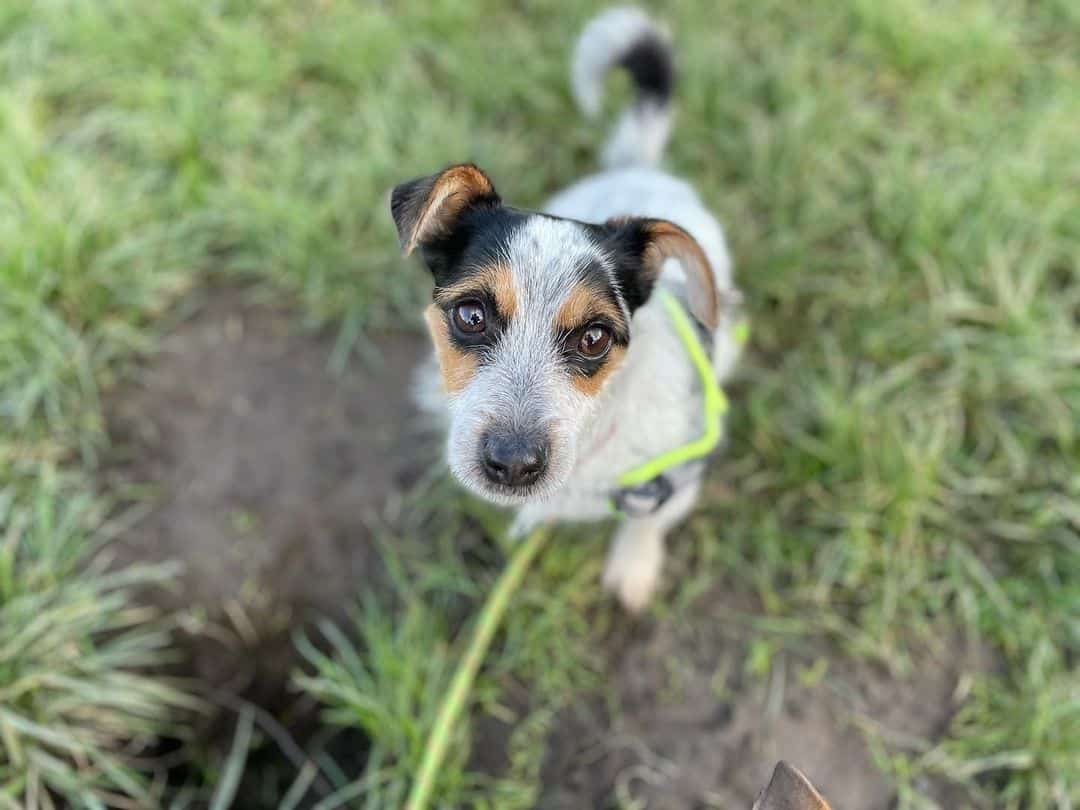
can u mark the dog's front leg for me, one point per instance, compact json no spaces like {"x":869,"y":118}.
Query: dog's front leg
{"x":636,"y":557}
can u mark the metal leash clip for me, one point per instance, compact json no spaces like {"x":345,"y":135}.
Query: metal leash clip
{"x":643,"y":499}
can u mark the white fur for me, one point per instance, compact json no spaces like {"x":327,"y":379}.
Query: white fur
{"x":640,"y":136}
{"x":632,"y":571}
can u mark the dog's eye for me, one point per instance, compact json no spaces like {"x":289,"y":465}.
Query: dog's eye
{"x":469,"y":317}
{"x":595,"y":342}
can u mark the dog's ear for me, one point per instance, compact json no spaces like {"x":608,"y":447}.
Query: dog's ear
{"x":427,"y":208}
{"x":643,"y":245}
{"x":789,"y":789}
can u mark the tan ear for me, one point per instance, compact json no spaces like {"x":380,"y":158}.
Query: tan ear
{"x":789,"y":789}
{"x":667,"y":240}
{"x":428,"y":207}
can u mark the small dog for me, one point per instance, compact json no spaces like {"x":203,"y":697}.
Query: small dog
{"x":559,"y":361}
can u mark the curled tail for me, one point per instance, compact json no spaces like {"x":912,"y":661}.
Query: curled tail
{"x":628,"y":38}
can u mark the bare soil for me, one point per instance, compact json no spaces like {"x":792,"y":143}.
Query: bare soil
{"x":264,"y":470}
{"x":690,"y":728}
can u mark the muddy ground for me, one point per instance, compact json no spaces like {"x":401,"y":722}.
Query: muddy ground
{"x":264,"y":470}
{"x":691,"y":728}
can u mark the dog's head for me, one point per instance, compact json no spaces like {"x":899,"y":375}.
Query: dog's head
{"x":789,"y":789}
{"x":531,"y":317}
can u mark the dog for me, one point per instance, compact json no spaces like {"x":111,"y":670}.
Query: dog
{"x":559,"y":363}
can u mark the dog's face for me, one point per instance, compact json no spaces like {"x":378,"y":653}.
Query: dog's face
{"x":531,"y":316}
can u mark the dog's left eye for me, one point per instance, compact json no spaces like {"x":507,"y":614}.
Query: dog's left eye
{"x":469,"y":317}
{"x":595,"y":342}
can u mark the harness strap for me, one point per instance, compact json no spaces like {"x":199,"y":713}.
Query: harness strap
{"x":645,"y":488}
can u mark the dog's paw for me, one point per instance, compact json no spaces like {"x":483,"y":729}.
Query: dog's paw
{"x":632,"y":578}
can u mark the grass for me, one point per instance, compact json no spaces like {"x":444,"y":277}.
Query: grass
{"x":900,"y":183}
{"x":393,"y":689}
{"x":74,"y":710}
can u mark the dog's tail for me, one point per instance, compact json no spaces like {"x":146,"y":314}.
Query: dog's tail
{"x":628,"y":38}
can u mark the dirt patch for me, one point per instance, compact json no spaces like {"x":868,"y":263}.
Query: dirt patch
{"x":689,"y":727}
{"x":265,"y":469}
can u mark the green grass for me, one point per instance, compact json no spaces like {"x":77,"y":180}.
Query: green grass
{"x":388,"y":672}
{"x":901,"y":187}
{"x":72,"y":646}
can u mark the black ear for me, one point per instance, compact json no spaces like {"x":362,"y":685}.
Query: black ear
{"x":642,"y":246}
{"x":427,"y":208}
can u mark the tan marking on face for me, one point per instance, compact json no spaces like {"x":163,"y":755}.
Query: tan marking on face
{"x":496,"y":280}
{"x":583,"y":305}
{"x":457,"y":367}
{"x":590,"y":386}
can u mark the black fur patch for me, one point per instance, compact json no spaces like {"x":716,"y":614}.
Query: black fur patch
{"x":627,"y":240}
{"x":407,"y":203}
{"x":651,"y":65}
{"x":409,"y":199}
{"x":478,"y":239}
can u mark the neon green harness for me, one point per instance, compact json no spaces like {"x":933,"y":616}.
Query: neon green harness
{"x":714,"y":407}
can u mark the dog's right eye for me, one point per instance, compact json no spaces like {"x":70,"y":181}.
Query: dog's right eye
{"x":469,"y":317}
{"x":595,"y":342}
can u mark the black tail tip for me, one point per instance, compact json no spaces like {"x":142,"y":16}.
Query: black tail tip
{"x":651,"y":65}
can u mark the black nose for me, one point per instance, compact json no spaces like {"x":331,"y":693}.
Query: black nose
{"x":514,"y":460}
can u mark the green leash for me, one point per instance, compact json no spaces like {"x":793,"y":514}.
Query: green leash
{"x":455,"y":700}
